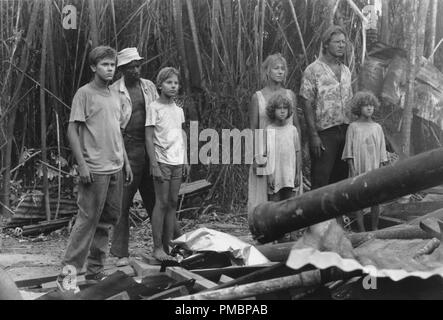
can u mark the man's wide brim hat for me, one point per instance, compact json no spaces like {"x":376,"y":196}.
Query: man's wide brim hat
{"x":127,"y":55}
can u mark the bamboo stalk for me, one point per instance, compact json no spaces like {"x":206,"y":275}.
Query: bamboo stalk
{"x":385,"y":29}
{"x":261,"y":32}
{"x":179,"y":38}
{"x":93,"y":32}
{"x":59,"y":166}
{"x":11,"y":117}
{"x":412,"y":69}
{"x":421,"y":28}
{"x":432,"y":31}
{"x":302,"y":42}
{"x":43,"y":107}
{"x":195,"y":41}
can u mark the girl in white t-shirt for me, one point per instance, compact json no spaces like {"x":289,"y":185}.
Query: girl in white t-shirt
{"x":283,"y":150}
{"x":166,"y":147}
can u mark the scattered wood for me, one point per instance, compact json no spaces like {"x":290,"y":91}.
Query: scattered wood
{"x":253,"y":276}
{"x":180,"y":274}
{"x":404,"y":211}
{"x":143,"y":269}
{"x":45,"y":227}
{"x":224,"y":279}
{"x":270,"y":220}
{"x":304,"y":279}
{"x":214,"y":274}
{"x":120,"y":296}
{"x":170,"y":293}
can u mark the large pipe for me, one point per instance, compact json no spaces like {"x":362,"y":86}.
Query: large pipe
{"x":270,"y":220}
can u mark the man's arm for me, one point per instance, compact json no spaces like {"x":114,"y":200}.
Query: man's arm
{"x":155,"y":168}
{"x":127,"y":166}
{"x":314,"y":139}
{"x":74,"y":140}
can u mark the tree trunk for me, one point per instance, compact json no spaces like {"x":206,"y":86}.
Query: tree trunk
{"x":43,"y":108}
{"x":411,"y":43}
{"x":432,"y":29}
{"x":385,"y":30}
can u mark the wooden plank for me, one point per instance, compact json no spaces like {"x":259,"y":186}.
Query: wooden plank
{"x":120,"y":296}
{"x":304,"y":279}
{"x":232,"y":271}
{"x":225,"y":279}
{"x":143,"y":269}
{"x":404,"y":210}
{"x":51,"y":277}
{"x":180,"y":274}
{"x":170,"y":293}
{"x":199,"y":185}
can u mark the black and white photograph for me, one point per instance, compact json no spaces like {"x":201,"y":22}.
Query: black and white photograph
{"x":228,"y":150}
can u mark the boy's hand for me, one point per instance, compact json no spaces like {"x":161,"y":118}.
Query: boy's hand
{"x":85,"y":175}
{"x":129,"y":177}
{"x":157,"y":173}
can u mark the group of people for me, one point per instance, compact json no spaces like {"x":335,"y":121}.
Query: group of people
{"x":128,"y":136}
{"x":338,"y":149}
{"x":125,"y":137}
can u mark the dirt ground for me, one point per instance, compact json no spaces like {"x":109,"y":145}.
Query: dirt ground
{"x":24,"y":256}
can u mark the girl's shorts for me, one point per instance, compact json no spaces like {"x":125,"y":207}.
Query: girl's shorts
{"x":170,"y":171}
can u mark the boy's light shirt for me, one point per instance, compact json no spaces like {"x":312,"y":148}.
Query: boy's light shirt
{"x":168,"y":135}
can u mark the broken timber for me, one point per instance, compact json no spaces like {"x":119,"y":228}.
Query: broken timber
{"x":304,"y":279}
{"x":270,"y":220}
{"x":180,"y":274}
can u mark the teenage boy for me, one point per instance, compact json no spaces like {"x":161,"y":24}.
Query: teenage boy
{"x":97,"y":144}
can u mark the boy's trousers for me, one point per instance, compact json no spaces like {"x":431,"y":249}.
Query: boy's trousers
{"x":143,"y":182}
{"x":99,"y":206}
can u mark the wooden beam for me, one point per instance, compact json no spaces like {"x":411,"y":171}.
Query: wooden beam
{"x":143,"y":269}
{"x":224,"y":279}
{"x":170,"y":293}
{"x":180,"y":274}
{"x":405,"y":210}
{"x":120,"y":296}
{"x":270,"y":220}
{"x":232,"y":271}
{"x":304,"y":279}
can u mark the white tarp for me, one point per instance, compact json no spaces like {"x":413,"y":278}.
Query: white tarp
{"x":205,"y":239}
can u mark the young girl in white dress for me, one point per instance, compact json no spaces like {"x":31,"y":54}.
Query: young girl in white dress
{"x":365,"y":147}
{"x":282,"y":150}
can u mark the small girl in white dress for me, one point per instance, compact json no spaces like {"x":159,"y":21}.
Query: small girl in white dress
{"x":365,"y":147}
{"x":283,"y":150}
